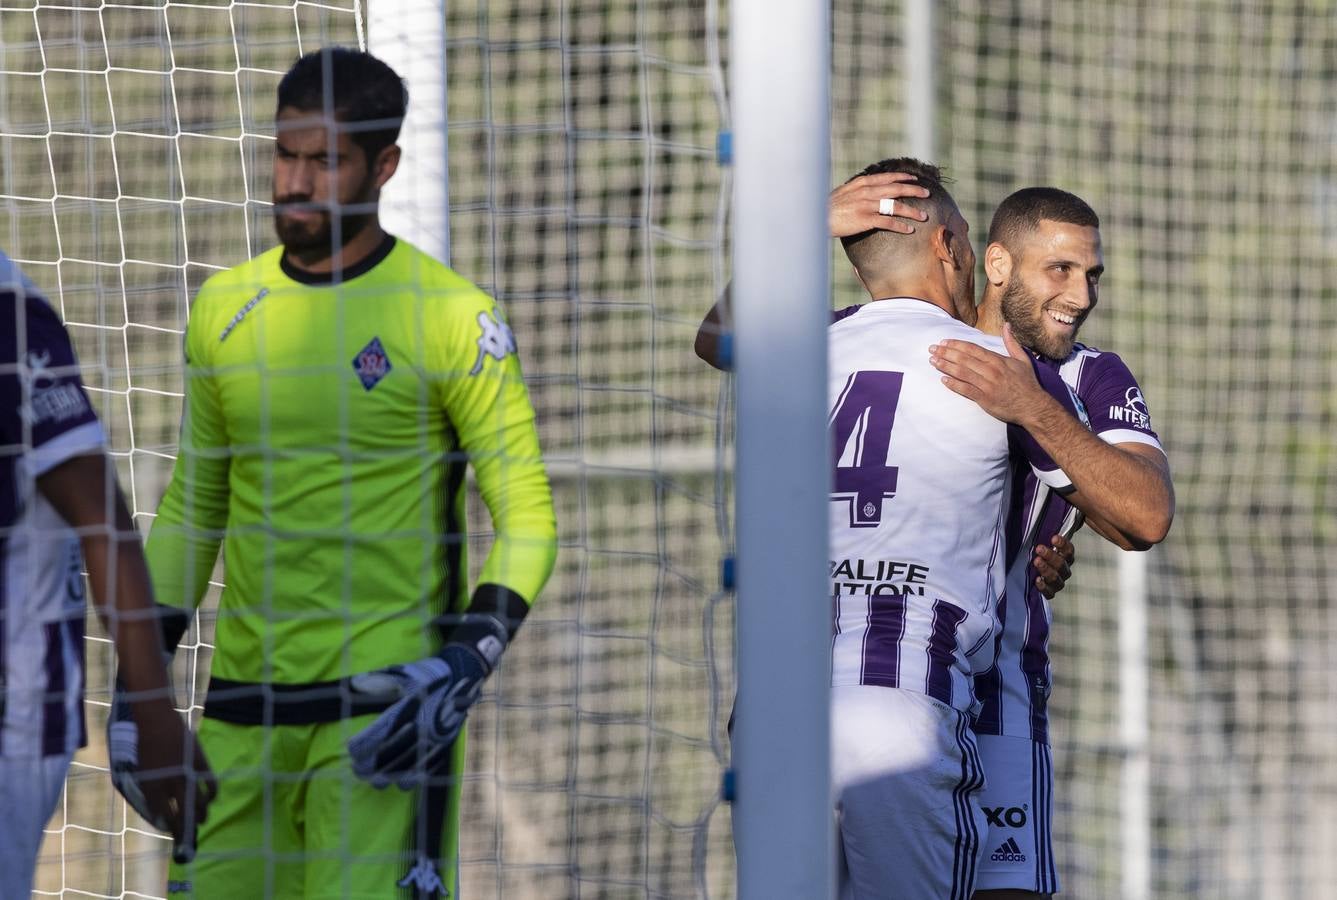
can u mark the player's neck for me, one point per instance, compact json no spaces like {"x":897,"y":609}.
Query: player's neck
{"x":990,"y":316}
{"x":362,"y":245}
{"x":924,"y":289}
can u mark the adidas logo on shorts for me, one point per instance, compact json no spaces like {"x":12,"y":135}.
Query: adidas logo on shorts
{"x":1009,"y":852}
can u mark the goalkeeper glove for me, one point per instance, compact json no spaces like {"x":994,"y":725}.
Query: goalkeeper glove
{"x":123,"y":734}
{"x":412,"y":739}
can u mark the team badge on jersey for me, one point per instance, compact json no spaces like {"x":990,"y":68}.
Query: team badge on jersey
{"x":372,"y":364}
{"x":495,"y":339}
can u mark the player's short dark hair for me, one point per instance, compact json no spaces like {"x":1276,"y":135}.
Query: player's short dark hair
{"x":359,"y":89}
{"x":1022,"y":212}
{"x":862,"y":248}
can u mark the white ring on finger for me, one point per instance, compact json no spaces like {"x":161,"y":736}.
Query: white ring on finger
{"x":886,"y":206}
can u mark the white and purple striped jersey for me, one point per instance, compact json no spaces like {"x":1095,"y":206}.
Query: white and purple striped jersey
{"x":45,"y":419}
{"x":920,"y":496}
{"x":1014,"y":693}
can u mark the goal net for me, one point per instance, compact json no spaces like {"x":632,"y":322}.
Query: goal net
{"x":584,"y":194}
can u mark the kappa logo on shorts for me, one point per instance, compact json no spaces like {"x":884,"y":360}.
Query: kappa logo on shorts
{"x":1009,"y":852}
{"x":372,"y":364}
{"x":424,"y":879}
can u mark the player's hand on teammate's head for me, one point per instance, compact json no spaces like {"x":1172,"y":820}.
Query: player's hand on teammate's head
{"x":1053,"y":565}
{"x":856,"y":206}
{"x":159,"y":767}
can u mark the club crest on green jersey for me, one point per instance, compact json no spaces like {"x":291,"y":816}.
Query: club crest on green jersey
{"x":371,"y":363}
{"x":495,"y":340}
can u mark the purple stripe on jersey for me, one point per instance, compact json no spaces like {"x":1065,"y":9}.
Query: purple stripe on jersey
{"x":74,"y":629}
{"x":1020,"y":504}
{"x":838,"y":314}
{"x":989,"y":686}
{"x":882,"y":641}
{"x":54,"y":726}
{"x":942,"y":650}
{"x":1035,"y":642}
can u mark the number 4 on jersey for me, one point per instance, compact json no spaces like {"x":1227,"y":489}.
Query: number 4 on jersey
{"x":864,"y":415}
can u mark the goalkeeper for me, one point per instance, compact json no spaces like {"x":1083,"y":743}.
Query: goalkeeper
{"x":336,"y":387}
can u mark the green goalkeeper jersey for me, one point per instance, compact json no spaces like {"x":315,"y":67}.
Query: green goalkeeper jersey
{"x":324,"y":441}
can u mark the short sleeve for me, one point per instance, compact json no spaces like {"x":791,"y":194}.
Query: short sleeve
{"x":44,"y":408}
{"x":1114,"y":402}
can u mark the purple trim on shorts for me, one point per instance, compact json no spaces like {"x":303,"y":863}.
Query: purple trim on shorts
{"x":54,"y":725}
{"x":882,"y":641}
{"x":1042,"y":807}
{"x":942,"y":646}
{"x":965,"y":854}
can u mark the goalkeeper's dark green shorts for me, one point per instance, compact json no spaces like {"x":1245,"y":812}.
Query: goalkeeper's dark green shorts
{"x":291,"y":820}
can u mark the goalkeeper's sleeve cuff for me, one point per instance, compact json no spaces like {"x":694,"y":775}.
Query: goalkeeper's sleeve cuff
{"x":487,"y":626}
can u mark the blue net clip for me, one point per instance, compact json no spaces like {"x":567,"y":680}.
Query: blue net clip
{"x":724,"y":351}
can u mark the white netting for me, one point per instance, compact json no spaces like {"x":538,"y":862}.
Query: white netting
{"x":1204,"y":135}
{"x":585,"y":195}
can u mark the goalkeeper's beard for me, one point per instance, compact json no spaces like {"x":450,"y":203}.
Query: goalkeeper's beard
{"x":314,"y":240}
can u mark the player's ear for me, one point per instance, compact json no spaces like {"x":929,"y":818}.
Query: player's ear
{"x":942,"y":243}
{"x":387,"y":161}
{"x":997,"y":264}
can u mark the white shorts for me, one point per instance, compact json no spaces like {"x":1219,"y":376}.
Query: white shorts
{"x":1018,"y":805}
{"x":906,"y":778}
{"x":29,"y":790}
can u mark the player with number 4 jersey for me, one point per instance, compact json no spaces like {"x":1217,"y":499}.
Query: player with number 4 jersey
{"x":920,"y":499}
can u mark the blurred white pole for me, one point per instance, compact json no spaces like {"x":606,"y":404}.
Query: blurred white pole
{"x":1134,"y":727}
{"x":920,"y":90}
{"x":410,"y":35}
{"x":783,"y":815}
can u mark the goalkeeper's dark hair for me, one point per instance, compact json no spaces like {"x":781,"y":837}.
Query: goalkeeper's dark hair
{"x":360,"y":91}
{"x":1021,"y":213}
{"x":874,"y":249}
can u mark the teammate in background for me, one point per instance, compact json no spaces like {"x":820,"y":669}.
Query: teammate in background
{"x":917,"y":568}
{"x":336,"y":388}
{"x":58,"y":490}
{"x":1043,"y":264}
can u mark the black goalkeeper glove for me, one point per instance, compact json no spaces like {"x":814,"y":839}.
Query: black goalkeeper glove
{"x":411,"y":741}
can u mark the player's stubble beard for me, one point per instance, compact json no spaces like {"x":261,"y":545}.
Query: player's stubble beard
{"x":1025,"y":313}
{"x":315,"y":242}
